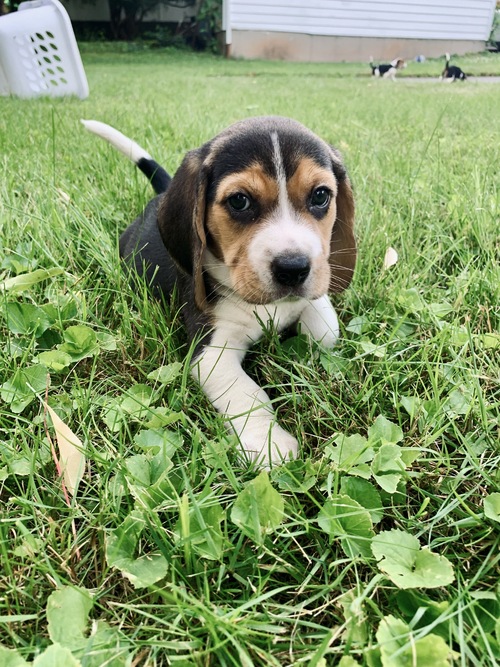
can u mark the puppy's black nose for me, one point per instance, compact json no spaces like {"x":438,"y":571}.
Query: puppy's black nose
{"x":290,"y":270}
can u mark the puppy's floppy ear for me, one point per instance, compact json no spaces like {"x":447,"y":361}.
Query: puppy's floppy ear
{"x":181,"y":220}
{"x":342,"y":243}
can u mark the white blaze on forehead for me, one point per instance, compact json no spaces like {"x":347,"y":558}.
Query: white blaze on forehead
{"x":284,"y":203}
{"x":284,"y":232}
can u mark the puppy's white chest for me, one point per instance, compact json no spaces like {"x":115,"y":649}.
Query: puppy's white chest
{"x":243,"y":323}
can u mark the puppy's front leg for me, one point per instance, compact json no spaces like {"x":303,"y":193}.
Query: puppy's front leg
{"x":243,"y":403}
{"x":320,"y":321}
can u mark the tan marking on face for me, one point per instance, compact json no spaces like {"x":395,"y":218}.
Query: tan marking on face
{"x":277,"y":229}
{"x":307,"y":177}
{"x":231,"y":237}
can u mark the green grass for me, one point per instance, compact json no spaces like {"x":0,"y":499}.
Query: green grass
{"x":419,"y":347}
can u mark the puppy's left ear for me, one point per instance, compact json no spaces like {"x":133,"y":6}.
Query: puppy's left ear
{"x":181,"y":220}
{"x":342,"y":243}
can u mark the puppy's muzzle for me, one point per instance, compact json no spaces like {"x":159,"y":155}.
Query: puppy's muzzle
{"x":290,"y":270}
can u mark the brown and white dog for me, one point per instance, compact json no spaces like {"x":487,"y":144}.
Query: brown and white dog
{"x":387,"y":70}
{"x":255,"y":226}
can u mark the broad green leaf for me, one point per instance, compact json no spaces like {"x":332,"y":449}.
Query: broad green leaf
{"x":416,"y":605}
{"x":258,"y":509}
{"x":105,"y":647}
{"x":132,"y":404}
{"x":11,"y":658}
{"x":458,"y":403}
{"x":364,"y":493}
{"x":56,"y":656}
{"x":145,"y":570}
{"x":355,"y":618}
{"x":488,"y":341}
{"x":398,"y":648}
{"x":166,"y":374}
{"x":121,"y":545}
{"x":409,"y":455}
{"x":23,"y":387}
{"x":335,"y":365}
{"x":159,"y":441}
{"x":485,"y":609}
{"x":351,"y":454}
{"x":215,"y":453}
{"x":406,"y":564}
{"x":411,"y":300}
{"x":29,"y":548}
{"x":440,"y":309}
{"x":412,"y":405}
{"x":138,"y":469}
{"x":26,"y":319}
{"x":136,"y":400}
{"x":296,"y":476}
{"x":347,"y":661}
{"x":80,"y":341}
{"x":162,"y":416}
{"x":22,"y":259}
{"x":106,"y":341}
{"x":55,"y":360}
{"x":359,"y":325}
{"x":388,"y":467}
{"x":26,"y":280}
{"x":491,"y":506}
{"x":68,"y":612}
{"x":343,"y":518}
{"x":204,"y":530}
{"x":384,"y":431}
{"x":368,"y":347}
{"x":459,"y":336}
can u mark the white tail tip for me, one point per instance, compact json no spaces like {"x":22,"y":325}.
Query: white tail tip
{"x":129,"y":148}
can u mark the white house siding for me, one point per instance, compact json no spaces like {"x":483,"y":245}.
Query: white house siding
{"x":460,"y":25}
{"x":414,"y":19}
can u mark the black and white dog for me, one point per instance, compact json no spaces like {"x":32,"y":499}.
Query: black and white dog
{"x":388,"y":70}
{"x":255,"y":226}
{"x":452,"y":72}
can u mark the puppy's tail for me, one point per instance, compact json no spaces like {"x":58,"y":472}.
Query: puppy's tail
{"x":159,"y":178}
{"x":374,"y":67}
{"x":447,"y":56}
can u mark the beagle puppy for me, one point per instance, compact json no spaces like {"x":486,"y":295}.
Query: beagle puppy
{"x":256,"y":227}
{"x":451,"y":72}
{"x":388,"y":70}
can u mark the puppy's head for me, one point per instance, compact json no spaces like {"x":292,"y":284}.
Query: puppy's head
{"x":266,"y":209}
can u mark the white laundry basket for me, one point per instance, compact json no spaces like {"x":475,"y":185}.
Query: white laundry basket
{"x":38,"y":52}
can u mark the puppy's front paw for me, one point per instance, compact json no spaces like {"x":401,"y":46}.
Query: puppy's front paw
{"x":268,"y":447}
{"x":319,"y":320}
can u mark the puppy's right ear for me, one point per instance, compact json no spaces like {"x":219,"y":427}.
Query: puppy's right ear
{"x":181,"y":219}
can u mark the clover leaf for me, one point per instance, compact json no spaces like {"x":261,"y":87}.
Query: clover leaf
{"x":344,"y":518}
{"x":406,"y":564}
{"x":258,"y":509}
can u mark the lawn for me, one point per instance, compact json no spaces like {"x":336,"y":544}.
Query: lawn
{"x":380,"y":545}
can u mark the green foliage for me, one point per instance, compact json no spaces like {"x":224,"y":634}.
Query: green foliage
{"x":121,"y":546}
{"x":258,"y":509}
{"x":399,"y":649}
{"x":407,"y":565}
{"x":344,"y":518}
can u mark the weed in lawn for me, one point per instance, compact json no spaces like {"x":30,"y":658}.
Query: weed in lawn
{"x":380,"y":545}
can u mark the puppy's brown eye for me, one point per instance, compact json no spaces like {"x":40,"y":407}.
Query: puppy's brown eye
{"x":320,"y":198}
{"x":239,"y":202}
